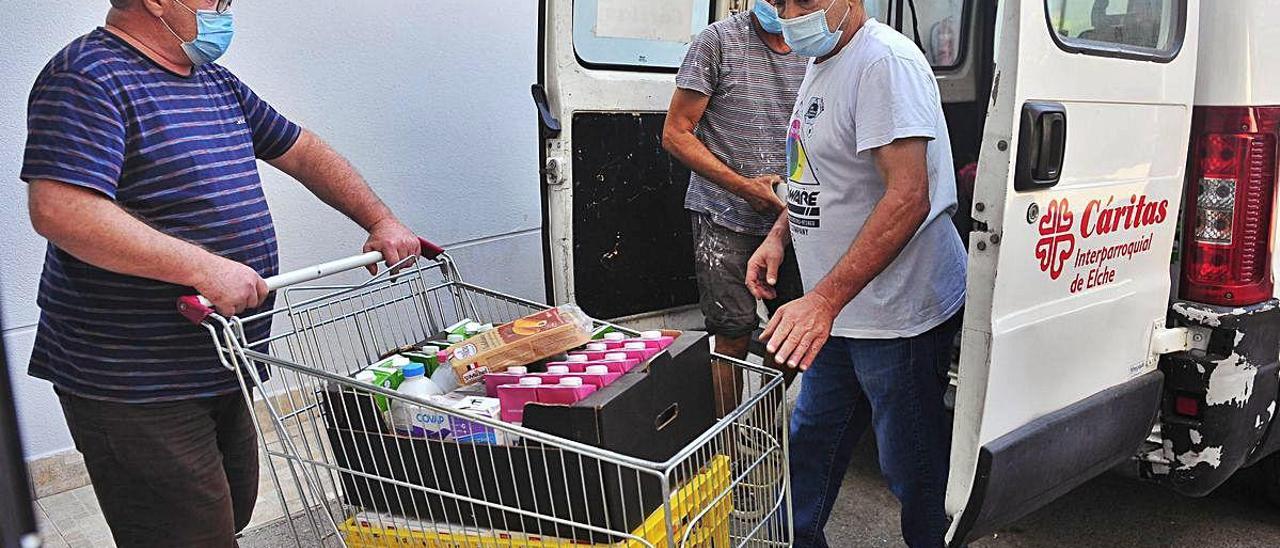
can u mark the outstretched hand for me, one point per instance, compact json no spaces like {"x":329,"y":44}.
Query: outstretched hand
{"x":799,"y":329}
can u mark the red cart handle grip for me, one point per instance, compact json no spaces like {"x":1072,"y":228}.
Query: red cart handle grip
{"x":429,"y":250}
{"x":195,"y":308}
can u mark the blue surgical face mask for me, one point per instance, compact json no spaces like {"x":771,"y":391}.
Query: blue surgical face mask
{"x":767,"y":15}
{"x":808,"y":34}
{"x":213,"y":35}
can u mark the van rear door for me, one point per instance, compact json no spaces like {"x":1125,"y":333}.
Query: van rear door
{"x":1075,"y":209}
{"x":617,"y":235}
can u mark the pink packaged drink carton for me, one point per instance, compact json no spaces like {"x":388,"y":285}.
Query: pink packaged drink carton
{"x":597,"y":346}
{"x":553,"y":375}
{"x":654,"y":339}
{"x":641,"y":348}
{"x":571,"y":390}
{"x":618,"y":362}
{"x":638,"y":354}
{"x":512,"y":397}
{"x":614,"y":340}
{"x":512,"y":375}
{"x":599,"y":375}
{"x":576,"y":363}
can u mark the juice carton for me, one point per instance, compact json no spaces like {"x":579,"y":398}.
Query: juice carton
{"x":599,"y":375}
{"x":387,"y":373}
{"x":614,"y":340}
{"x":512,"y":398}
{"x":520,"y":342}
{"x":638,"y":354}
{"x":571,"y":390}
{"x":603,"y":332}
{"x":620,"y":361}
{"x":576,"y":364}
{"x":459,"y":328}
{"x":654,"y":339}
{"x":553,"y":374}
{"x":596,"y":346}
{"x":453,"y":425}
{"x":640,"y":348}
{"x":512,"y":375}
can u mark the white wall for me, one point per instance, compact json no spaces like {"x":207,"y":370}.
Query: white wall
{"x":429,"y":99}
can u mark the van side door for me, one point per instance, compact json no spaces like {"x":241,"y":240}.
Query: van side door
{"x":617,"y":237}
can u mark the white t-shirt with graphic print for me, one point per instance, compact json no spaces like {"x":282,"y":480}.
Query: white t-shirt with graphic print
{"x":878,"y":89}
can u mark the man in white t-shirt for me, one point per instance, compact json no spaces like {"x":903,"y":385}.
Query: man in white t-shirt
{"x":869,"y":200}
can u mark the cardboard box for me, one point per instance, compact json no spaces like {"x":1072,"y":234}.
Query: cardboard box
{"x":525,"y":340}
{"x":650,"y":413}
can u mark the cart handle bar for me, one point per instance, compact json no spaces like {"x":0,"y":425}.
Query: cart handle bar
{"x":196,"y":308}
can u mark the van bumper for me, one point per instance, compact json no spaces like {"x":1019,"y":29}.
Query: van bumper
{"x":1028,"y":468}
{"x":1233,"y":376}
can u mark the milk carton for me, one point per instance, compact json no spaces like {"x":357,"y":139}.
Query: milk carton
{"x":453,"y":426}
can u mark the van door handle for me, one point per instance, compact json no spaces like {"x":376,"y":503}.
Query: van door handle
{"x":1042,"y":145}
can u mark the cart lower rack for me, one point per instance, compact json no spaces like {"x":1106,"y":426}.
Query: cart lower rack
{"x":344,"y":477}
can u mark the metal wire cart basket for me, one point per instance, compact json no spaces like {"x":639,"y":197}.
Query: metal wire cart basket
{"x":645,"y":462}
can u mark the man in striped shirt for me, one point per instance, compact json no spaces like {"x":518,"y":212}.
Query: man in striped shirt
{"x":727,"y":123}
{"x":141,"y":164}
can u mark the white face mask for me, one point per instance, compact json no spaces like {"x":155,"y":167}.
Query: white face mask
{"x":808,"y":35}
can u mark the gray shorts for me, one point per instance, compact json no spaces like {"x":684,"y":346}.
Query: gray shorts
{"x":720,"y":260}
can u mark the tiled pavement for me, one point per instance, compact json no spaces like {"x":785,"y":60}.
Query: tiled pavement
{"x":73,"y":518}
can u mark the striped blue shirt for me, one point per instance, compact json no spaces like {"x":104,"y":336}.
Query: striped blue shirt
{"x":178,"y":152}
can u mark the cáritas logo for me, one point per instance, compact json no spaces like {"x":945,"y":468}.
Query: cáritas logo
{"x":1060,"y":234}
{"x":1057,"y":243}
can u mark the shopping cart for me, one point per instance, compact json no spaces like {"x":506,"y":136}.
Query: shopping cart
{"x":342,"y":479}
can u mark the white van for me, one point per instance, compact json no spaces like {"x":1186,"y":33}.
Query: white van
{"x":1121,"y":276}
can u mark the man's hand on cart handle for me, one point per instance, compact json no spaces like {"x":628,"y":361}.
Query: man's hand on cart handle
{"x":230,"y":287}
{"x":197,"y":308}
{"x":395,"y":241}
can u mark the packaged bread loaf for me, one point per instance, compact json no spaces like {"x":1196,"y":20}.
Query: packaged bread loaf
{"x":520,"y":342}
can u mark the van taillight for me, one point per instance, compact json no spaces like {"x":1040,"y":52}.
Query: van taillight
{"x":1230,"y":193}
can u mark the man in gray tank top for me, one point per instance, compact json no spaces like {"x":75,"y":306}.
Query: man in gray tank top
{"x":727,"y":123}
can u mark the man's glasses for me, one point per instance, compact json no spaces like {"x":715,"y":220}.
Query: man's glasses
{"x":223,"y":6}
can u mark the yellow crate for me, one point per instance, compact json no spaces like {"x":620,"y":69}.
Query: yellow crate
{"x":712,"y":530}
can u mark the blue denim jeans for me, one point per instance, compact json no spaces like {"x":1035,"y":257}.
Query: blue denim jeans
{"x":896,"y":386}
